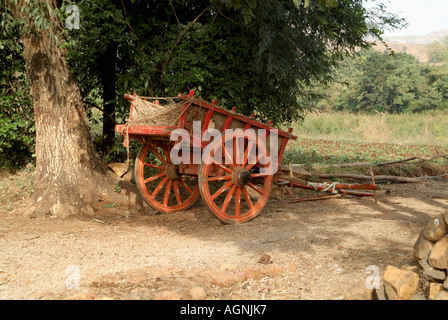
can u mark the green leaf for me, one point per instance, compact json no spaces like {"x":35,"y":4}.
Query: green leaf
{"x":252,"y":4}
{"x":34,"y":12}
{"x":331,"y":3}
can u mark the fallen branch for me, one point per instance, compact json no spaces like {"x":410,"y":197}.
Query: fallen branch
{"x":395,"y":162}
{"x":313,"y":198}
{"x":357,"y":193}
{"x":293,"y":179}
{"x":434,"y":177}
{"x":363,"y":177}
{"x":342,"y":165}
{"x":300,"y":173}
{"x":297,"y":167}
{"x":328,"y":185}
{"x":439,"y":155}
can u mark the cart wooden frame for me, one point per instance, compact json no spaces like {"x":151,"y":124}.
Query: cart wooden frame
{"x":235,"y":190}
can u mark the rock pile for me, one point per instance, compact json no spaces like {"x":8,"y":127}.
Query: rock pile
{"x":425,"y":278}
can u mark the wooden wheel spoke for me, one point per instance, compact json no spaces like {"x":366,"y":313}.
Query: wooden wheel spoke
{"x":166,"y":151}
{"x":159,"y":187}
{"x":237,"y":154}
{"x":223,"y":167}
{"x":250,"y":144}
{"x":257,"y":159}
{"x":154,"y":166}
{"x":228,"y":156}
{"x":247,"y":197}
{"x":182,"y":182}
{"x":258,"y":175}
{"x":238,"y":202}
{"x":157,"y":154}
{"x":250,"y":184}
{"x":176,"y":192}
{"x":221,"y":190}
{"x":219,"y":178}
{"x":220,"y":172}
{"x":157,"y":176}
{"x":228,"y":198}
{"x":262,"y":156}
{"x":167,"y":193}
{"x":249,"y":166}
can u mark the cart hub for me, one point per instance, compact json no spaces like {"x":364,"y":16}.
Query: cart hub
{"x":241,"y":176}
{"x":172,"y":172}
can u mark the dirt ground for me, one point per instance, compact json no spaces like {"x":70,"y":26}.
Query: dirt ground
{"x":317,"y":249}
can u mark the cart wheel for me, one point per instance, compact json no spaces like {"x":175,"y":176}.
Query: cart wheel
{"x":159,"y":182}
{"x":231,"y":181}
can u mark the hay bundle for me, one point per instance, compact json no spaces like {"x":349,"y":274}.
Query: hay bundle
{"x":150,"y":113}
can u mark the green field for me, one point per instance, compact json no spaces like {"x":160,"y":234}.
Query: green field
{"x":338,"y":137}
{"x":426,"y":129}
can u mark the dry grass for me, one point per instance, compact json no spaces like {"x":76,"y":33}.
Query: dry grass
{"x":15,"y":187}
{"x":414,"y":129}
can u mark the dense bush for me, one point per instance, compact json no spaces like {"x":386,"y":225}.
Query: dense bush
{"x":380,"y":82}
{"x":16,"y":112}
{"x":257,"y":55}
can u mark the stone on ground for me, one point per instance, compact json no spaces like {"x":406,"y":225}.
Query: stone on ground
{"x":438,"y":257}
{"x":197,"y":293}
{"x":434,"y":289}
{"x":434,"y":275}
{"x":167,"y":295}
{"x":435,"y":229}
{"x":442,"y":295}
{"x":400,"y":284}
{"x":422,"y":247}
{"x":359,"y":293}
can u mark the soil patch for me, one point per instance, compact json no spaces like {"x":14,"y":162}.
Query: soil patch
{"x":315,"y":250}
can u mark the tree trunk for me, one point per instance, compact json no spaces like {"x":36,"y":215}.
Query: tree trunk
{"x":69,"y":178}
{"x":109,"y":79}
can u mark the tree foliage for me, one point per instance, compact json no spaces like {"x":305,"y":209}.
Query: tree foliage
{"x":16,"y":111}
{"x":261,"y":56}
{"x":438,"y":51}
{"x":256,"y":55}
{"x":380,"y":82}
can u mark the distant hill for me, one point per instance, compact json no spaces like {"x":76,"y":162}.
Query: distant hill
{"x":426,"y":39}
{"x":414,"y":45}
{"x":420,"y":51}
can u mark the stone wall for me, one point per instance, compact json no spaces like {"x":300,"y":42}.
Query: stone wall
{"x":425,"y":278}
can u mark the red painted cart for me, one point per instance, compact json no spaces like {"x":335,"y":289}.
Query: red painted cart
{"x":235,"y":171}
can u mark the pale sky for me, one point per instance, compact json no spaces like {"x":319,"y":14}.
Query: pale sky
{"x":423,"y":16}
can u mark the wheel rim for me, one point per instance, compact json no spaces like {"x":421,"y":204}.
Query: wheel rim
{"x":159,"y":183}
{"x":234,"y":190}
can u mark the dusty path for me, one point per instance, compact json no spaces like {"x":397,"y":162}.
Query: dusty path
{"x":318,"y":250}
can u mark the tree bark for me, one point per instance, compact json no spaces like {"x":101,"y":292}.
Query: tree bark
{"x":108,"y":80}
{"x":69,"y":178}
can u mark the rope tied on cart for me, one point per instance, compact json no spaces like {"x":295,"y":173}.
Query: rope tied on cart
{"x":327,"y":187}
{"x":324,"y":187}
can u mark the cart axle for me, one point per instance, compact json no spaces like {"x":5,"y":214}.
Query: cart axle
{"x":172,"y":172}
{"x":241,"y":177}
